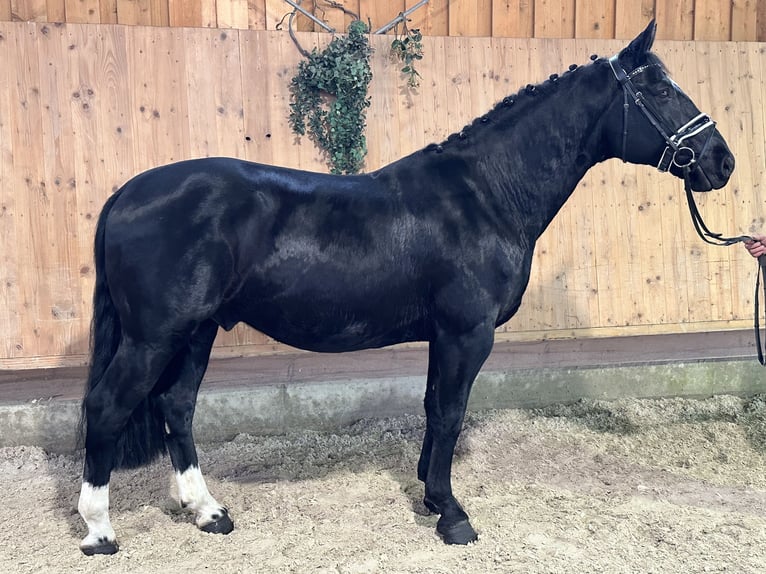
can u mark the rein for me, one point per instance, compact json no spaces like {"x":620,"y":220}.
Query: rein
{"x":684,"y":157}
{"x":718,"y":239}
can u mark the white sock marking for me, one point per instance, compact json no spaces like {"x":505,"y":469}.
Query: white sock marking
{"x":194,"y":495}
{"x":93,"y":506}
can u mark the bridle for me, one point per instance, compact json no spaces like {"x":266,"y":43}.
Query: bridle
{"x":676,"y":152}
{"x":682,"y":156}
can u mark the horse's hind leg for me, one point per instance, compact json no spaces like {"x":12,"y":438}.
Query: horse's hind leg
{"x":454,"y":362}
{"x":127,"y":381}
{"x":180,"y":383}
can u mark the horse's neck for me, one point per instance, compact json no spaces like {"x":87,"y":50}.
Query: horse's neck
{"x":537,"y":163}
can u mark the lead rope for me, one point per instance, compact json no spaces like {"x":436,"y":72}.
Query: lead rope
{"x":762,"y":265}
{"x":718,"y":239}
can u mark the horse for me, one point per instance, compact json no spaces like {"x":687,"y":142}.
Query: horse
{"x":434,"y":247}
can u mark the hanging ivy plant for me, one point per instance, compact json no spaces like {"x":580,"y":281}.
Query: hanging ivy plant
{"x":407,"y":47}
{"x":329,"y":101}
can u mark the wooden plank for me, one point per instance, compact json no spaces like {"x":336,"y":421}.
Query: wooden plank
{"x":748,"y":141}
{"x":29,"y":10}
{"x":744,"y":189}
{"x":470,"y":18}
{"x":228,"y":102}
{"x":554,"y":18}
{"x":193,"y":13}
{"x":33,"y":207}
{"x":256,"y":14}
{"x":744,"y":20}
{"x":281,"y":72}
{"x":433,"y":90}
{"x":595,"y":19}
{"x":760,"y":28}
{"x":160,"y":13}
{"x":83,"y":11}
{"x":480,"y":77}
{"x":513,"y":18}
{"x":11,"y":307}
{"x":200,"y":92}
{"x":431,"y":19}
{"x":712,"y":20}
{"x":675,"y":19}
{"x":70,"y":266}
{"x":5,"y":11}
{"x":232,"y":14}
{"x":56,"y":10}
{"x":459,"y":108}
{"x":631,"y":17}
{"x":257,"y":88}
{"x":158,"y":104}
{"x":134,"y":12}
{"x":108,"y":11}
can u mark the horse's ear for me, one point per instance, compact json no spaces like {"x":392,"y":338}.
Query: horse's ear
{"x":643,"y":42}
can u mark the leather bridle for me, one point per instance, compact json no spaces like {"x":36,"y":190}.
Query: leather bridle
{"x":676,"y":152}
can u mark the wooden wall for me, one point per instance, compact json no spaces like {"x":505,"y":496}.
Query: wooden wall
{"x":721,"y":20}
{"x":83,"y":108}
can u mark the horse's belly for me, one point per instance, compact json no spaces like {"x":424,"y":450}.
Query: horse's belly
{"x":316,"y":323}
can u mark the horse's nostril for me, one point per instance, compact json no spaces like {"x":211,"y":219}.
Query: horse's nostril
{"x":727,"y":167}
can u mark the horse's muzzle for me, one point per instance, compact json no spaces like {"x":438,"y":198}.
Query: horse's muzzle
{"x":713,"y":172}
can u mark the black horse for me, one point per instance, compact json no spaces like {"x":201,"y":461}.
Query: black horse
{"x":435,"y":247}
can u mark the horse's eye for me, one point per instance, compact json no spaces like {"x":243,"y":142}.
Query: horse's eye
{"x":664,"y":93}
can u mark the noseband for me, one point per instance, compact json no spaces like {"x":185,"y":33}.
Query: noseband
{"x":676,"y":152}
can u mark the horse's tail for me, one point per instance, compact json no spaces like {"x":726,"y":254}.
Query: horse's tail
{"x":142,"y":438}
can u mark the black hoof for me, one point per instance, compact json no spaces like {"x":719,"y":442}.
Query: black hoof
{"x":223,"y":525}
{"x":459,"y":533}
{"x":105,"y":547}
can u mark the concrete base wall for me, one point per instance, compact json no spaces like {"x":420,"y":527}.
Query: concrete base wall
{"x":222,"y":413}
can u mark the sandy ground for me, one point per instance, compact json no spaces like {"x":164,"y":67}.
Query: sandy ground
{"x":665,"y":486}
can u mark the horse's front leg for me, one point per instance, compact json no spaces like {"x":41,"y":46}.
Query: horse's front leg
{"x":181,"y":380}
{"x":454,"y":362}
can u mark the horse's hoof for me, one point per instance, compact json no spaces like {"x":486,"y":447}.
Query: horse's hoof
{"x":459,"y":533}
{"x":103,"y":547}
{"x":222,"y":525}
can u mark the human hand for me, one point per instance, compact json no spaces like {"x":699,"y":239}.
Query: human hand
{"x":757,"y":246}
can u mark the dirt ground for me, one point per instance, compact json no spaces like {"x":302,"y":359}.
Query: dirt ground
{"x":662,"y":486}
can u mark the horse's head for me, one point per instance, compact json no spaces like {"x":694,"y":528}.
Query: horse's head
{"x":656,"y":123}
